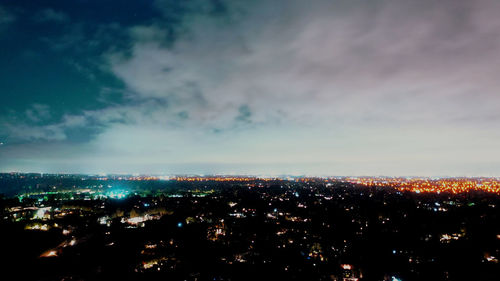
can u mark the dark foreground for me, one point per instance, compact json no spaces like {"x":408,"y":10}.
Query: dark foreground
{"x":253,"y":230}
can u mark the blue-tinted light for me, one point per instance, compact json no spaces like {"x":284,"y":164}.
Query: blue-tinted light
{"x":117,"y":194}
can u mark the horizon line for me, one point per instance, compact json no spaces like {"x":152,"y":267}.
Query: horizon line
{"x":207,"y":175}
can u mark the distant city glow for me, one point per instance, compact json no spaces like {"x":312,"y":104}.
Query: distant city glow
{"x":428,"y":185}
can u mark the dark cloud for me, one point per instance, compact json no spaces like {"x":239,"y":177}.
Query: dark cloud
{"x":51,"y":15}
{"x":6,"y":17}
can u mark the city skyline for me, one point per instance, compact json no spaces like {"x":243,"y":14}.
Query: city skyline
{"x":327,"y":88}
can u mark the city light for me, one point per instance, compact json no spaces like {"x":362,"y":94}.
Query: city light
{"x":295,"y":218}
{"x":428,"y":185}
{"x":118,"y":194}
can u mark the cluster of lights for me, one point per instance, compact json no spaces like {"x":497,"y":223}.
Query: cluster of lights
{"x":117,"y":194}
{"x":139,"y":178}
{"x":220,"y":179}
{"x":427,"y":185}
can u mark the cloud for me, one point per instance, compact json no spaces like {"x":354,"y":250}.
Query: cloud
{"x":6,"y":17}
{"x":38,"y":112}
{"x":51,"y":15}
{"x":34,"y":124}
{"x":390,"y":61}
{"x":34,"y":133}
{"x":342,"y":87}
{"x":37,"y":124}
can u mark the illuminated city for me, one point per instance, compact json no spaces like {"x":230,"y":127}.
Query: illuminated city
{"x":418,"y":185}
{"x":92,"y":227}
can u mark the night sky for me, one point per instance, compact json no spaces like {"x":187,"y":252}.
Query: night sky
{"x":339,"y":87}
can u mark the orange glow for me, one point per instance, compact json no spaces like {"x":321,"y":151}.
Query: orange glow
{"x":426,"y":185}
{"x":48,"y":254}
{"x":346,"y":266}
